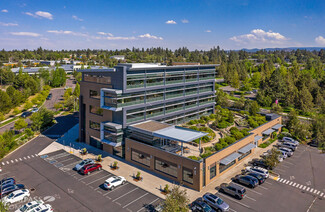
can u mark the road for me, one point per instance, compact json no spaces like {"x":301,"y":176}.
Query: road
{"x":49,"y":104}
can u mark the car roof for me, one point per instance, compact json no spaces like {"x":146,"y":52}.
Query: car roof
{"x":236,"y":186}
{"x":19,"y":191}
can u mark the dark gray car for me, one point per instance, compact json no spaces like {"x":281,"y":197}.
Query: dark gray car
{"x":233,"y":190}
{"x":246,"y":180}
{"x":215,"y":202}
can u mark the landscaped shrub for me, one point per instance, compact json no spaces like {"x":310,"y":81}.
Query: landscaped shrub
{"x":238,"y":135}
{"x":230,"y":140}
{"x":194,"y":157}
{"x":245,"y":132}
{"x":218,"y":146}
{"x":223,"y":124}
{"x":224,"y":144}
{"x":204,"y":155}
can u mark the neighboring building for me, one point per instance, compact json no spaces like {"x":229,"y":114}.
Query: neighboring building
{"x":112,"y":99}
{"x":118,"y":57}
{"x":49,"y":62}
{"x":30,"y":70}
{"x":184,"y":63}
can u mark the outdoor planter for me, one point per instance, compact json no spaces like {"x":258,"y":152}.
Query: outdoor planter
{"x":166,"y":190}
{"x":114,"y":166}
{"x":138,"y":177}
{"x":99,"y":158}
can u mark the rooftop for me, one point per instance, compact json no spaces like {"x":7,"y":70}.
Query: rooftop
{"x":150,"y":126}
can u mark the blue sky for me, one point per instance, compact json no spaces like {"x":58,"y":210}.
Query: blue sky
{"x":196,"y":24}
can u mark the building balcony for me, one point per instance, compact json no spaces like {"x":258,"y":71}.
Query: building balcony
{"x":154,"y":114}
{"x":129,"y":120}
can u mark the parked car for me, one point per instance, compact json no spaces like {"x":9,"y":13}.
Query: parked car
{"x":259,"y":177}
{"x":7,"y":181}
{"x":26,"y":114}
{"x":233,"y":190}
{"x":288,"y":151}
{"x":261,"y":163}
{"x":200,"y":206}
{"x":16,"y":196}
{"x":87,"y":169}
{"x":288,"y":145}
{"x":10,"y":188}
{"x":246,"y":180}
{"x":29,"y":206}
{"x":83,"y":163}
{"x":49,"y":97}
{"x":280,"y":158}
{"x":258,"y":170}
{"x":290,"y":140}
{"x":34,"y":110}
{"x":113,"y":182}
{"x":284,"y":154}
{"x":42,"y":208}
{"x":215,"y":202}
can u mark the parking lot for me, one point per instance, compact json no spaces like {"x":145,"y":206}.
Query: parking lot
{"x":51,"y":178}
{"x":300,"y":187}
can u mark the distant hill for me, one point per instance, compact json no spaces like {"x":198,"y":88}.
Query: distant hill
{"x":285,"y":49}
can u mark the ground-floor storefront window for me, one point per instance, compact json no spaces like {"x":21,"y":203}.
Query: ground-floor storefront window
{"x":166,"y":167}
{"x":225,"y":167}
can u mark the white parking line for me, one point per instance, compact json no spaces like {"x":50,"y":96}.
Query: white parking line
{"x":284,"y":181}
{"x":297,"y":185}
{"x":28,"y":157}
{"x":308,"y":189}
{"x":232,"y":199}
{"x":75,"y":174}
{"x":315,"y":191}
{"x":98,"y":179}
{"x":280,"y":180}
{"x":268,"y":183}
{"x":90,"y":175}
{"x":281,"y":170}
{"x":12,"y":161}
{"x":7,"y":162}
{"x":20,"y":159}
{"x":311,"y":190}
{"x":263,"y":187}
{"x":300,"y":186}
{"x":24,"y":158}
{"x":32,"y":156}
{"x":285,"y":166}
{"x":294,"y":184}
{"x":318,"y":192}
{"x":321,"y":194}
{"x":148,"y":204}
{"x":290,"y":183}
{"x":135,"y":200}
{"x":72,"y":163}
{"x":288,"y":162}
{"x":115,"y":189}
{"x":304,"y":188}
{"x":3,"y":163}
{"x":36,"y":155}
{"x":250,"y":189}
{"x":66,"y":160}
{"x":250,"y":198}
{"x":287,"y":182}
{"x":16,"y":160}
{"x":124,"y":194}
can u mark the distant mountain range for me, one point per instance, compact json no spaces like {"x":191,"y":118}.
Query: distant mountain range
{"x":285,"y":49}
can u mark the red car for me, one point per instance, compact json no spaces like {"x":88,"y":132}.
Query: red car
{"x":90,"y":168}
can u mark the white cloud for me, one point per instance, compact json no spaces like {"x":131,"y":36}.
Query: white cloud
{"x":207,"y":30}
{"x":171,"y":22}
{"x":120,"y":38}
{"x":76,"y":18}
{"x":185,"y":21}
{"x":4,"y":11}
{"x":40,"y":14}
{"x":147,"y":35}
{"x":8,"y":24}
{"x":105,"y":33}
{"x":320,"y":40}
{"x":30,"y":34}
{"x":259,"y":36}
{"x":67,"y":32}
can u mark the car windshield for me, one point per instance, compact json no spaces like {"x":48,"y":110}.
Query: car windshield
{"x":207,"y":208}
{"x":11,"y":195}
{"x":219,"y":201}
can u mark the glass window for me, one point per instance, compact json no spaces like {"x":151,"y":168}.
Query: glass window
{"x":95,"y":142}
{"x":94,"y":94}
{"x":95,"y":110}
{"x":97,"y":78}
{"x":94,"y":125}
{"x":213,"y":170}
{"x":119,"y":151}
{"x":244,"y":155}
{"x":166,"y":167}
{"x":224,"y":167}
{"x":188,"y":175}
{"x":140,"y":157}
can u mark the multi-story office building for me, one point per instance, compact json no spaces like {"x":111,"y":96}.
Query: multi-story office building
{"x":112,"y":99}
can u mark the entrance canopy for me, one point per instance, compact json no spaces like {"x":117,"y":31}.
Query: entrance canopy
{"x":277,"y":126}
{"x":257,"y":137}
{"x":230,"y":158}
{"x":246,"y":148}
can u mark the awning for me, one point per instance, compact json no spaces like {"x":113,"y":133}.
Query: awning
{"x":246,"y":148}
{"x":230,"y":158}
{"x":277,"y":126}
{"x":256,"y":138}
{"x":179,"y":134}
{"x":268,"y":132}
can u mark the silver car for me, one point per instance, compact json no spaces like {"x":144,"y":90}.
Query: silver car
{"x":289,"y":146}
{"x":288,"y":151}
{"x":215,"y":202}
{"x":83,"y":163}
{"x":290,"y":140}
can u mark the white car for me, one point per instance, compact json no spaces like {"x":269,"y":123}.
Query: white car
{"x":16,"y":196}
{"x":34,"y":110}
{"x":258,"y":170}
{"x":280,"y":158}
{"x":83,"y":163}
{"x":113,"y":182}
{"x":284,"y":154}
{"x":42,"y":208}
{"x":29,"y":206}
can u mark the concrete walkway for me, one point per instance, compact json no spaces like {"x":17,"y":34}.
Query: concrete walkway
{"x":151,"y":182}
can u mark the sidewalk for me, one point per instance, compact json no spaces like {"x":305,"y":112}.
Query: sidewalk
{"x":151,"y":182}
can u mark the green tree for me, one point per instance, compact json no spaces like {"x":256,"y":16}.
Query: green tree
{"x":273,"y":158}
{"x":3,"y":207}
{"x":42,"y":119}
{"x":20,"y":124}
{"x":5,"y":103}
{"x":176,"y":201}
{"x":76,"y":91}
{"x":253,"y":108}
